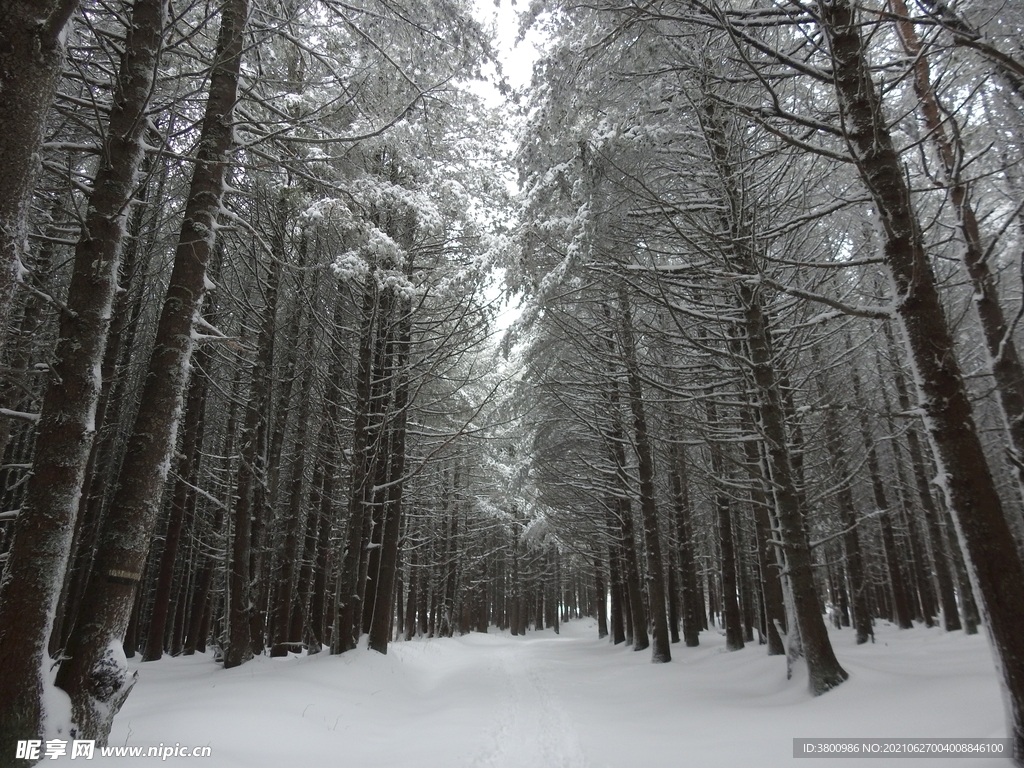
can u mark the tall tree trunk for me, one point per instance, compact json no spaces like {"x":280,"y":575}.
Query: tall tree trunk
{"x":825,"y":671}
{"x":920,"y":576}
{"x":285,"y":590}
{"x":245,"y":616}
{"x":601,"y":598}
{"x":34,"y":572}
{"x":32,"y":56}
{"x":824,"y":668}
{"x":692,"y":605}
{"x":618,"y":624}
{"x":96,"y":680}
{"x":187,"y":476}
{"x":271,"y":430}
{"x":415,"y":591}
{"x":966,"y":477}
{"x":98,"y":470}
{"x":1003,"y":358}
{"x":662,"y":649}
{"x":637,"y":616}
{"x":384,"y":583}
{"x":360,"y":492}
{"x":730,"y":606}
{"x":901,"y":602}
{"x":615,"y":440}
{"x":196,"y":633}
{"x":800,"y":590}
{"x":673,"y":595}
{"x":379,"y":431}
{"x":746,"y":591}
{"x":304,"y":578}
{"x":767,"y":560}
{"x":322,"y":505}
{"x":932,"y":516}
{"x":847,"y":512}
{"x":969,"y":613}
{"x":450,"y":517}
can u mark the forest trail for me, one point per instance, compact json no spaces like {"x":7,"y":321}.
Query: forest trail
{"x":531,"y":727}
{"x":559,"y":701}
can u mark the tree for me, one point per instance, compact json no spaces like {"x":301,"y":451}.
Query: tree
{"x":93,"y":674}
{"x":34,"y":575}
{"x":966,"y":478}
{"x":31,"y":61}
{"x":944,"y":132}
{"x":661,"y":651}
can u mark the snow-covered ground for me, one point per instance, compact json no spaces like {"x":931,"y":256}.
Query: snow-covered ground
{"x":560,"y":701}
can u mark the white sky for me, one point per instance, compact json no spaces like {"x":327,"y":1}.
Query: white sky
{"x":517,"y":67}
{"x":516,"y":60}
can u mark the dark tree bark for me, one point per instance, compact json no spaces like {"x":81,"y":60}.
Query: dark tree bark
{"x":245,"y":617}
{"x":414,"y":598}
{"x":187,"y":475}
{"x":384,"y":583}
{"x":198,"y":622}
{"x":824,"y":668}
{"x":967,"y":479}
{"x":921,"y":582}
{"x":601,"y":599}
{"x":746,"y":594}
{"x":322,"y":505}
{"x":969,"y":613}
{"x":361,"y":488}
{"x":673,"y":595}
{"x":449,"y":566}
{"x":1003,"y":358}
{"x":825,"y":671}
{"x":34,"y":573}
{"x":399,"y":616}
{"x":932,"y":516}
{"x":95,"y":680}
{"x":283,"y":638}
{"x":662,"y":650}
{"x":618,"y":624}
{"x":901,"y":601}
{"x":636,"y":629}
{"x":304,"y":579}
{"x":737,"y":250}
{"x":692,"y":604}
{"x":379,"y":434}
{"x":323,"y":612}
{"x":102,"y":458}
{"x":847,"y":513}
{"x":621,"y":507}
{"x":768,"y":566}
{"x":32,"y":57}
{"x":426,"y":612}
{"x":730,"y":606}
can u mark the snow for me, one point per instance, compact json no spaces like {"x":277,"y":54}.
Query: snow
{"x":567,"y":700}
{"x":56,"y":704}
{"x":7,"y":413}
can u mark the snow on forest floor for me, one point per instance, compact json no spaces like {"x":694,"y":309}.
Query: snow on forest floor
{"x":560,"y":701}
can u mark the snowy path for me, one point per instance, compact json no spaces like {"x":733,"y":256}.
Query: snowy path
{"x":531,"y":727}
{"x":559,"y":701}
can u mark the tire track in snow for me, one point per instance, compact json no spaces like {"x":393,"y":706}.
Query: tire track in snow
{"x":531,"y":727}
